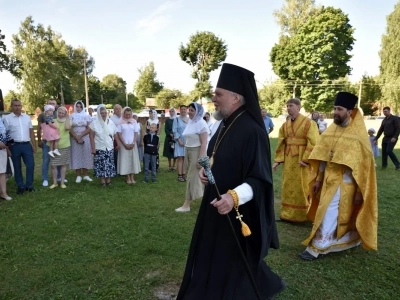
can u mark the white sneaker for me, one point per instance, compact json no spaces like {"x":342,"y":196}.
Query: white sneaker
{"x":78,"y":179}
{"x":183,"y":209}
{"x":59,"y":180}
{"x":56,"y":152}
{"x":87,"y":178}
{"x":51,"y":154}
{"x":45,"y":183}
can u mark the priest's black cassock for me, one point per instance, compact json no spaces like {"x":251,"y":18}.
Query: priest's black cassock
{"x":215,"y":269}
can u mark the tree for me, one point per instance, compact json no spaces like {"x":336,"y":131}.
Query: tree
{"x":147,"y":85}
{"x":316,"y":55}
{"x":371,"y":94}
{"x":390,"y":59}
{"x":114,"y":89}
{"x":11,"y":95}
{"x":273,"y":97}
{"x":204,"y":53}
{"x":48,"y":64}
{"x":293,"y":14}
{"x":7,"y":62}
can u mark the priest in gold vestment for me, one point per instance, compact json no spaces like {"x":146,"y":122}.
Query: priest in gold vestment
{"x":343,"y":188}
{"x":297,"y":138}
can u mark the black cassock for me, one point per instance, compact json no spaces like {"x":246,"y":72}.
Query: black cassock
{"x":215,"y":269}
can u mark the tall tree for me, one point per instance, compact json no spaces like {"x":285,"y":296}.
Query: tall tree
{"x":147,"y":85}
{"x":204,"y":53}
{"x":114,"y":89}
{"x":316,"y":55}
{"x":371,"y":94}
{"x":7,"y":62}
{"x":49,"y":64}
{"x":273,"y":97}
{"x":390,"y":59}
{"x":293,"y":14}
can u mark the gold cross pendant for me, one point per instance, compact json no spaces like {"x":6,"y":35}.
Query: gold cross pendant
{"x":331,"y":154}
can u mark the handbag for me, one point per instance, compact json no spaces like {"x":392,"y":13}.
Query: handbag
{"x":10,"y":168}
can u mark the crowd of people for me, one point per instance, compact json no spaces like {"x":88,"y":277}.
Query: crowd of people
{"x":328,"y":174}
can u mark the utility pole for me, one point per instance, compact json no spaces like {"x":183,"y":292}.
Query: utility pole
{"x":359,"y":95}
{"x":86,"y":86}
{"x":101,"y":98}
{"x":126,"y":93}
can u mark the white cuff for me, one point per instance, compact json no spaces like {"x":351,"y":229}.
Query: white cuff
{"x":244,"y":192}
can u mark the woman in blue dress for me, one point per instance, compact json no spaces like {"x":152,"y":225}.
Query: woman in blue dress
{"x":177,"y":128}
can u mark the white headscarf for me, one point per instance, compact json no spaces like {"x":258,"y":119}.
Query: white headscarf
{"x":197,"y":125}
{"x":174,"y":116}
{"x":79,"y":116}
{"x":154,"y":119}
{"x":104,"y":124}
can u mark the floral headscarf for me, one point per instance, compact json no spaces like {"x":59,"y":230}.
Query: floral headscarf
{"x":199,"y":112}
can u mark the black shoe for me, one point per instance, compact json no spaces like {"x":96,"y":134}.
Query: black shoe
{"x":31,"y":189}
{"x":397,"y":168}
{"x":305,"y":255}
{"x":20,"y":191}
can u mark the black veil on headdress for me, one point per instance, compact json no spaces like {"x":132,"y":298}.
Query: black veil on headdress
{"x":241,"y":81}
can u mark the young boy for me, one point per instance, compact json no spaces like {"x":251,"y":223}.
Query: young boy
{"x":150,"y":142}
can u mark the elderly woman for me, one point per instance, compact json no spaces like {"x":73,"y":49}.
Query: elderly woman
{"x":128,"y":157}
{"x":178,"y":127}
{"x":64,"y":126}
{"x":102,"y":135}
{"x":4,"y":153}
{"x":169,"y":143}
{"x":196,"y":134}
{"x":81,"y":155}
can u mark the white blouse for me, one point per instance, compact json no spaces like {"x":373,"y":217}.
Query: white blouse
{"x":103,"y":140}
{"x":128,"y":132}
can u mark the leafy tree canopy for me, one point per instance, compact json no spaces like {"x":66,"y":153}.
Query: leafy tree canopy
{"x":147,"y":85}
{"x":7,"y":62}
{"x":273,"y":97}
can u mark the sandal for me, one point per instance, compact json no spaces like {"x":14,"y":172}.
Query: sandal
{"x":180,"y":178}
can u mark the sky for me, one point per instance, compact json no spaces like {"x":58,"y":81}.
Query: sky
{"x":125,"y":35}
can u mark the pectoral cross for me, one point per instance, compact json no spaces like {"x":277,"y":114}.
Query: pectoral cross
{"x":239,"y":217}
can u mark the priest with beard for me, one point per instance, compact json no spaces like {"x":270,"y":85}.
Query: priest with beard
{"x":343,"y":188}
{"x":241,"y":164}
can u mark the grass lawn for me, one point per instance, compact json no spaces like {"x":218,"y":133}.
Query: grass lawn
{"x":127,"y":242}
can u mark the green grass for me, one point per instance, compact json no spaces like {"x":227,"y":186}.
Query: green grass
{"x":126,"y":242}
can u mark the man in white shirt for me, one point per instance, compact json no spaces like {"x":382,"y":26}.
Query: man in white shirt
{"x":20,"y":128}
{"x":116,"y":118}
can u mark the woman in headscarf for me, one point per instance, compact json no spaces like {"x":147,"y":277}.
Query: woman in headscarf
{"x":64,"y":126}
{"x":139,"y":141}
{"x":178,"y":127}
{"x":196,"y":135}
{"x":153,"y":119}
{"x":81,"y":156}
{"x":4,"y":153}
{"x":169,"y":143}
{"x":102,"y":135}
{"x":128,"y":157}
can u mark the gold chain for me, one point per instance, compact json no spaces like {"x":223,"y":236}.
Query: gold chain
{"x":335,"y":142}
{"x":218,"y":141}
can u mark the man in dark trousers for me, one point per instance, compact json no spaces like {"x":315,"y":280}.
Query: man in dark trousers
{"x":241,"y":165}
{"x":390,"y":128}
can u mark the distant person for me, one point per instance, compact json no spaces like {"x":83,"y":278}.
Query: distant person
{"x":4,"y":152}
{"x":322,"y":124}
{"x":63,"y":160}
{"x":343,"y":199}
{"x":128,"y":160}
{"x":297,"y":138}
{"x":42,"y":143}
{"x":315,"y":117}
{"x":153,"y":119}
{"x":139,"y":141}
{"x":151,"y":143}
{"x":178,"y":127}
{"x":90,"y":111}
{"x":50,"y":130}
{"x":102,"y":135}
{"x":81,"y":154}
{"x":116,"y":118}
{"x":169,"y":143}
{"x":374,"y":146}
{"x":196,"y":136}
{"x":390,"y":128}
{"x":269,"y":125}
{"x":20,"y":128}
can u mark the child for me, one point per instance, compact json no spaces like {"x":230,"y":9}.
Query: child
{"x":322,"y":124}
{"x":150,"y":141}
{"x":374,"y":146}
{"x":50,"y":130}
